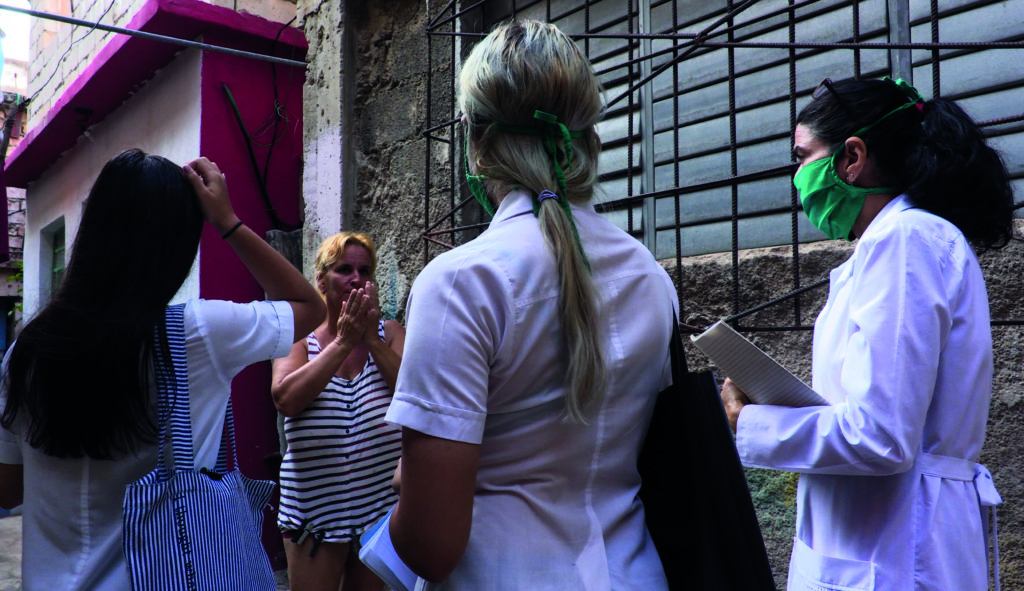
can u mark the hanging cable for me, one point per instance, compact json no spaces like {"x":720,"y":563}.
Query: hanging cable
{"x":154,"y":36}
{"x":260,"y":182}
{"x":280,"y":112}
{"x":57,"y":64}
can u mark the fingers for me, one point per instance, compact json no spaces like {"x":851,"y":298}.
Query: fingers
{"x":733,"y":400}
{"x":354,"y":304}
{"x":194,"y":178}
{"x":732,"y":393}
{"x":211,"y":188}
{"x":205,"y":168}
{"x":210,"y":173}
{"x":354,"y":318}
{"x":372,"y":312}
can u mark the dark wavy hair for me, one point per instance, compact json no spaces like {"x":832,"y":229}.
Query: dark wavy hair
{"x":79,"y":375}
{"x":937,"y":155}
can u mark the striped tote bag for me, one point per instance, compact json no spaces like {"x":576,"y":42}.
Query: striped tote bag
{"x":187,"y":529}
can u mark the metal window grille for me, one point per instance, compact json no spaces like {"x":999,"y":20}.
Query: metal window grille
{"x":702,"y":99}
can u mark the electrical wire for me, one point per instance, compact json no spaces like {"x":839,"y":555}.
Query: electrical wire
{"x":154,"y":36}
{"x":60,"y":61}
{"x":280,"y":111}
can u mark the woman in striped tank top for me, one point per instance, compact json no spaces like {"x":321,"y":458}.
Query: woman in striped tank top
{"x":333,"y":389}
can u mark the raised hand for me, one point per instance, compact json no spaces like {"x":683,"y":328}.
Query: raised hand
{"x":373,"y":313}
{"x":211,"y":188}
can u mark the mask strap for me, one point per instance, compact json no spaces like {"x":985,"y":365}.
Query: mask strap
{"x":552,"y":132}
{"x":914,"y":100}
{"x":861,"y":190}
{"x":476,"y":184}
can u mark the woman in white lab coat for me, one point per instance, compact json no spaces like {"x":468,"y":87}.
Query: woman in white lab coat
{"x":889,"y":486}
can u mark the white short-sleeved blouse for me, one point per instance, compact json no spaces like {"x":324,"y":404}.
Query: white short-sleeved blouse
{"x":485,"y":363}
{"x":71,"y":528}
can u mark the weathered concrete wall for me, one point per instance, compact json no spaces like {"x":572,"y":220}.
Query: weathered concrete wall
{"x":365,"y":116}
{"x":766,"y":273}
{"x":390,"y":108}
{"x":326,"y":127}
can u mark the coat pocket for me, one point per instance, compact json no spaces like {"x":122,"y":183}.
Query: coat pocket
{"x":810,"y":570}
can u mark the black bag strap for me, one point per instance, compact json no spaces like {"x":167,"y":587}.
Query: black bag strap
{"x":706,"y":532}
{"x":677,"y":353}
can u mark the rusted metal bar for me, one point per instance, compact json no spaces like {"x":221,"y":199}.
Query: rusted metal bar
{"x":772,"y":302}
{"x":733,"y":171}
{"x":426,"y":152}
{"x":436,"y":241}
{"x":900,"y":58}
{"x":794,"y":202}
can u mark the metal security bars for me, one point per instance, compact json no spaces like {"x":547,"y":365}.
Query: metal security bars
{"x":702,"y":99}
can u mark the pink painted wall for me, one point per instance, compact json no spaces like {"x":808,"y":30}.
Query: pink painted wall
{"x":221,"y":275}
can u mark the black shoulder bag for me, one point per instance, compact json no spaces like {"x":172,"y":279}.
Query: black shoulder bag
{"x":697,"y":504}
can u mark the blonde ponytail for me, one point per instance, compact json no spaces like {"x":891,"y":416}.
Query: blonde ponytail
{"x":577,"y":310}
{"x":531,"y":101}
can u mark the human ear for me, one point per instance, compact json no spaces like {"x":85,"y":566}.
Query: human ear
{"x":855,"y":157}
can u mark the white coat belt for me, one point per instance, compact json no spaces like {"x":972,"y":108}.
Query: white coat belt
{"x":988,"y":497}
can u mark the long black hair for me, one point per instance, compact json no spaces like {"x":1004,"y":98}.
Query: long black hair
{"x":936,"y":154}
{"x":80,"y":370}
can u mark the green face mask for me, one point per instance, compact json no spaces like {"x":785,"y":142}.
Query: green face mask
{"x":830,"y":204}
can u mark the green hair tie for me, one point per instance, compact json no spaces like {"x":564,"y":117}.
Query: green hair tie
{"x":908,"y":90}
{"x":914,"y":100}
{"x":551,"y":130}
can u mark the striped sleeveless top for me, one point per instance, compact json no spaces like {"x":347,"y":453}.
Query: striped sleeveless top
{"x":336,"y":473}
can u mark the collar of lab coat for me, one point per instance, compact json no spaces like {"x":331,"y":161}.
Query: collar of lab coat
{"x":898,"y":204}
{"x":839,"y":275}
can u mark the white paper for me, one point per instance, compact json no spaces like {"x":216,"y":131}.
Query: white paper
{"x":760,"y":377}
{"x":379,"y":555}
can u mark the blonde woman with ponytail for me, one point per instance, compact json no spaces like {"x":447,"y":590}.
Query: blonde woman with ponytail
{"x":534,"y":353}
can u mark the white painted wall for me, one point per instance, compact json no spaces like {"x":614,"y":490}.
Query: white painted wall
{"x":329,"y":97}
{"x":162,"y":118}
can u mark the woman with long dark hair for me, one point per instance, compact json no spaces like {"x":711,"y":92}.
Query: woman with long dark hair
{"x":534,"y":353}
{"x":79,"y":396}
{"x":889,"y":489}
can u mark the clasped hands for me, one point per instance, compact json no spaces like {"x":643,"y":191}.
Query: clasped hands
{"x":360,"y":316}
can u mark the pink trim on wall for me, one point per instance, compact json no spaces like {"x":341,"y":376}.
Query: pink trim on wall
{"x":126,"y":63}
{"x":221,"y":274}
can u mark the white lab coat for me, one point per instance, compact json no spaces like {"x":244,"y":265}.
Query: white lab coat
{"x":889,"y":489}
